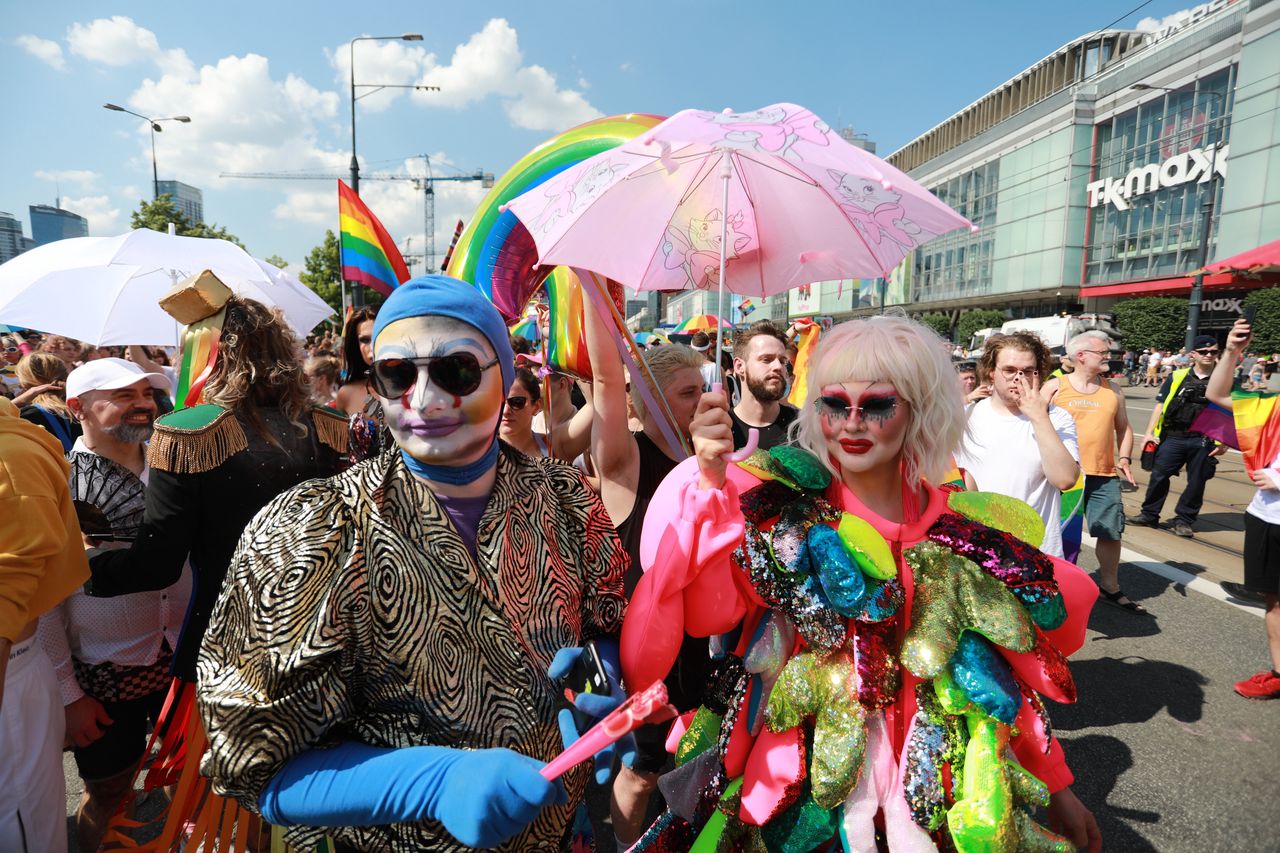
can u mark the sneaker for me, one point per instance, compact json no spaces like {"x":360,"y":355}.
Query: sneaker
{"x":1141,"y":520}
{"x":1181,"y":528}
{"x":1263,"y":685}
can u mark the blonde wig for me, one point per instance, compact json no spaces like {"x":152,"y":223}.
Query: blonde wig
{"x":663,"y":363}
{"x":44,"y":368}
{"x":911,"y":358}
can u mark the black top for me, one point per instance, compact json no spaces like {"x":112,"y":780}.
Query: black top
{"x":1185,"y":406}
{"x":654,"y":466}
{"x":202,"y":516}
{"x":771,"y":435}
{"x":50,"y":421}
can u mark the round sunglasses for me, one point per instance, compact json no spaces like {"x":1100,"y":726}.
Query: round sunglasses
{"x":458,"y":374}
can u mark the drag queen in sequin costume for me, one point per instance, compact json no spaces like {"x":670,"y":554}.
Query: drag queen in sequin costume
{"x":883,"y":643}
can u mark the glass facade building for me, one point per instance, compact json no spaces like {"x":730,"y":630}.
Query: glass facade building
{"x":53,"y":223}
{"x":12,"y":240}
{"x":1088,"y":173}
{"x":188,"y":199}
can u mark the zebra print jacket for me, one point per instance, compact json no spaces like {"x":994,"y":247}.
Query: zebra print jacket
{"x":353,"y":611}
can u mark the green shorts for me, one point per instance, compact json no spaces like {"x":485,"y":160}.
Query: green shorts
{"x":1103,"y":508}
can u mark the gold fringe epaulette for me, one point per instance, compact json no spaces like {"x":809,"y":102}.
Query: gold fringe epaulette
{"x":332,"y":429}
{"x":195,"y":440}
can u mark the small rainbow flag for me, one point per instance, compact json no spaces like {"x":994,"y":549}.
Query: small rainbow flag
{"x":746,"y":307}
{"x":1257,"y":427}
{"x":369,"y":255}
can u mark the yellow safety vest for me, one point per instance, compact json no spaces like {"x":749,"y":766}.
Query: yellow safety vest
{"x":1178,"y":377}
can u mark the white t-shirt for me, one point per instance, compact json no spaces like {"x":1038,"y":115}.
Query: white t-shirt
{"x":1001,"y":453}
{"x":1266,"y":503}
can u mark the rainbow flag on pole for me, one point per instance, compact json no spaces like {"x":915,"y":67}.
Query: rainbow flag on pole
{"x":369,"y":255}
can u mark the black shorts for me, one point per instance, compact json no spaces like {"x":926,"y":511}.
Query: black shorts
{"x":1261,"y":555}
{"x":123,"y":742}
{"x":686,"y":684}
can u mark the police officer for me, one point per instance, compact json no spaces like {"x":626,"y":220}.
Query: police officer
{"x":1179,"y":400}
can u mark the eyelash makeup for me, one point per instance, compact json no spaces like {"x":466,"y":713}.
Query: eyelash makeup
{"x":874,"y":410}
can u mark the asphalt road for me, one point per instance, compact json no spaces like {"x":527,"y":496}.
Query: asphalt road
{"x":1165,"y":754}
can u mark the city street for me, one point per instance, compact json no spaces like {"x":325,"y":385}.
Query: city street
{"x":1165,"y":754}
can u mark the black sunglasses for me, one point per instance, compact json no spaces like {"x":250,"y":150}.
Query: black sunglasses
{"x":458,"y":374}
{"x":1208,"y":351}
{"x":517,"y":402}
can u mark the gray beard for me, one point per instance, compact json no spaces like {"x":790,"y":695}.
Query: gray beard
{"x":762,"y":392}
{"x":130,"y":433}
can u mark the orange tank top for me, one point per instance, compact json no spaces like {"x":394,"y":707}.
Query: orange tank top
{"x":1095,"y":416}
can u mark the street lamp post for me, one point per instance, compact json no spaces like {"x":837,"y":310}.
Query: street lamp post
{"x":357,"y":294}
{"x":355,"y":164}
{"x":1197,"y":283}
{"x":154,"y":123}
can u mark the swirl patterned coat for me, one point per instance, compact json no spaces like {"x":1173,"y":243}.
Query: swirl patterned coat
{"x":353,"y":611}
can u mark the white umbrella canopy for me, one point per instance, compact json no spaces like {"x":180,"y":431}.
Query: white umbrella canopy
{"x":106,"y":290}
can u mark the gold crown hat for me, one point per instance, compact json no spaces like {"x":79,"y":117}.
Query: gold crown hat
{"x":199,"y":303}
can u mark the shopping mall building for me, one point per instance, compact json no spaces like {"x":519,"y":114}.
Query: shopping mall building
{"x":1087,"y":176}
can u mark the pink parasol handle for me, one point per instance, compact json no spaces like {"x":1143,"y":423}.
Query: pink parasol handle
{"x":647,"y":706}
{"x":753,"y":437}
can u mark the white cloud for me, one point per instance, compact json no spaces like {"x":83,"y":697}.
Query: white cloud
{"x":397,"y":204}
{"x":119,"y":41}
{"x":82,"y":178}
{"x":380,"y":62}
{"x":48,"y":52}
{"x":1173,"y":19}
{"x":627,"y":67}
{"x":104,"y":217}
{"x":489,"y":64}
{"x":242,"y":120}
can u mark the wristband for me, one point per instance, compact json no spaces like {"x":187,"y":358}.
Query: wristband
{"x":1126,"y":458}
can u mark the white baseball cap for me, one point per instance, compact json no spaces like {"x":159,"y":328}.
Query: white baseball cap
{"x":108,"y":374}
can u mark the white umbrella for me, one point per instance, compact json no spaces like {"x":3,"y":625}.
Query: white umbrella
{"x":106,"y":290}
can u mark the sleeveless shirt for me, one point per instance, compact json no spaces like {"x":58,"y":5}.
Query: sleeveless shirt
{"x":1095,"y":416}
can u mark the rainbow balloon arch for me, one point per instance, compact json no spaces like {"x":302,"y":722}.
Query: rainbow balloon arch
{"x":496,"y":253}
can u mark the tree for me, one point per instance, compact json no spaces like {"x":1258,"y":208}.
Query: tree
{"x":972,"y":321}
{"x":158,"y":213}
{"x":322,"y":272}
{"x":1266,"y":324}
{"x":1152,"y":321}
{"x":940,"y":323}
{"x":277,"y":261}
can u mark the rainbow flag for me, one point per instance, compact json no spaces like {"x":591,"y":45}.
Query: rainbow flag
{"x":746,"y":307}
{"x":1257,"y":428}
{"x":369,"y":255}
{"x":808,"y":340}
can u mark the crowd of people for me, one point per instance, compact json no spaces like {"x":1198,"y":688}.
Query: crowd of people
{"x":369,"y":557}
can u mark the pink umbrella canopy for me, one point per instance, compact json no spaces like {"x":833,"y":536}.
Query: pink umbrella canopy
{"x":800,"y":205}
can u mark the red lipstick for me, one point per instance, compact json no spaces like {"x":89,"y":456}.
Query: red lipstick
{"x":855,"y":445}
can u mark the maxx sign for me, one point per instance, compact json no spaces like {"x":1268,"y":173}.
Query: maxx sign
{"x":1197,"y":165}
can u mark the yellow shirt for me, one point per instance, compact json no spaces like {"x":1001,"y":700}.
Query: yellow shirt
{"x":1095,"y":416}
{"x":41,"y":554}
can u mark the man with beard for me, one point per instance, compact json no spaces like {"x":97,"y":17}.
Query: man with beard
{"x":112,"y":655}
{"x":760,"y":363}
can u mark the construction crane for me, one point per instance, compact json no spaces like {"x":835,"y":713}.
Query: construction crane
{"x":425,"y":183}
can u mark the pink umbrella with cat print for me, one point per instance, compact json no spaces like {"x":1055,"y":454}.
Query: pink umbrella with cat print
{"x":754,"y":203}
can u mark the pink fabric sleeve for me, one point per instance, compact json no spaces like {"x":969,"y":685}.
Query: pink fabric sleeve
{"x":688,"y":581}
{"x":1028,"y":745}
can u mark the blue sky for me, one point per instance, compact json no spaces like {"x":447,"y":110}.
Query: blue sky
{"x":265,"y":84}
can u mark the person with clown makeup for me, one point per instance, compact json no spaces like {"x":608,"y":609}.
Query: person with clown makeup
{"x":881,"y":644}
{"x":378,"y":662}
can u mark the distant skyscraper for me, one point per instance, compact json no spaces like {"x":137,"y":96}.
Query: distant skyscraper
{"x":12,"y":241}
{"x":54,"y":223}
{"x":188,"y":199}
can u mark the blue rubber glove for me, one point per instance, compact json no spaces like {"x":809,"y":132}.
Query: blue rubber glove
{"x":483,"y":797}
{"x":594,"y":705}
